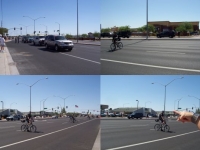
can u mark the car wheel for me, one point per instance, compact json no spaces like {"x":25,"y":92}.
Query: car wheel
{"x":33,"y":43}
{"x":70,"y":49}
{"x":11,"y":119}
{"x":56,"y":47}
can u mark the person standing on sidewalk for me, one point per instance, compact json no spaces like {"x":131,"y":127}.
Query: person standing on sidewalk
{"x":2,"y":43}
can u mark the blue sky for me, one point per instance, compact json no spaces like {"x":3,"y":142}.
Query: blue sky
{"x":61,"y":11}
{"x":117,"y":91}
{"x":85,"y":88}
{"x":133,"y":12}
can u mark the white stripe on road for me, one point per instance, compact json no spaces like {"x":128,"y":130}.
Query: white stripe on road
{"x":43,"y":135}
{"x":81,"y":58}
{"x":7,"y":127}
{"x":152,"y":141}
{"x":166,"y":52}
{"x":145,"y":65}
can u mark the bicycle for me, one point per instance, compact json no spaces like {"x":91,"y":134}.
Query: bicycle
{"x":30,"y":127}
{"x":72,"y":119}
{"x":116,"y":44}
{"x":160,"y":126}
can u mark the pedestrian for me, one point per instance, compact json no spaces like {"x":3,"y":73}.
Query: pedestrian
{"x":185,"y":116}
{"x":15,"y":39}
{"x":2,"y":43}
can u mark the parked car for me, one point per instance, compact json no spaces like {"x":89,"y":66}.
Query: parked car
{"x":58,"y":42}
{"x":124,"y":34}
{"x":38,"y":40}
{"x":106,"y":35}
{"x":25,"y":39}
{"x":12,"y":118}
{"x":103,"y":115}
{"x":135,"y":115}
{"x":169,"y":34}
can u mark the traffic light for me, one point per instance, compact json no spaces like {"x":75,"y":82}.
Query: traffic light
{"x":14,"y":28}
{"x":58,"y":107}
{"x":39,"y":31}
{"x":52,"y":109}
{"x":192,"y":107}
{"x":21,"y":28}
{"x":34,"y":32}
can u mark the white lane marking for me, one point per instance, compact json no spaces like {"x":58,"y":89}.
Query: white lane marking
{"x":7,"y":127}
{"x":165,"y":52}
{"x":152,"y":141}
{"x":139,"y":125}
{"x":43,"y":135}
{"x":145,"y":65}
{"x":81,"y":58}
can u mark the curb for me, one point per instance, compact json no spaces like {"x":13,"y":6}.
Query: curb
{"x":158,"y":39}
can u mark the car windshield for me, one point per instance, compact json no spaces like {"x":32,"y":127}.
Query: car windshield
{"x":60,"y":38}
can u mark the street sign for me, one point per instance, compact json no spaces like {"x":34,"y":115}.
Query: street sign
{"x":179,"y":108}
{"x":45,"y":108}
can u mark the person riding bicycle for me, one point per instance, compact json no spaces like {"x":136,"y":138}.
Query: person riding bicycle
{"x":72,"y":117}
{"x":161,"y":118}
{"x":115,"y":37}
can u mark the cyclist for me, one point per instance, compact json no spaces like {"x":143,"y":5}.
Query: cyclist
{"x":161,"y":118}
{"x":115,"y":37}
{"x":29,"y":119}
{"x":72,"y":117}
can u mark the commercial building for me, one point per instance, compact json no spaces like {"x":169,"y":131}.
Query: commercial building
{"x":167,"y":25}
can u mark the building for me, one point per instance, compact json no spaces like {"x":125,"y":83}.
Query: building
{"x":167,"y":25}
{"x":7,"y":112}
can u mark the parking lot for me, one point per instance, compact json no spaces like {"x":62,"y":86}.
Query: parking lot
{"x":51,"y":134}
{"x":140,"y":135}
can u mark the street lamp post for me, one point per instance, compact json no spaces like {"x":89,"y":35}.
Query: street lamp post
{"x":147,"y":19}
{"x":147,"y":102}
{"x":178,"y":102}
{"x":59,"y":27}
{"x":137,"y":103}
{"x":2,"y":105}
{"x":165,"y":89}
{"x":46,"y":28}
{"x":26,"y":27}
{"x":175,"y":103}
{"x":196,"y":98}
{"x":77,"y":21}
{"x":64,"y":98}
{"x":30,"y":89}
{"x":34,"y":21}
{"x":1,"y":14}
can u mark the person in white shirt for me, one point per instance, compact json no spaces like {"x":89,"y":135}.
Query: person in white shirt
{"x":2,"y":43}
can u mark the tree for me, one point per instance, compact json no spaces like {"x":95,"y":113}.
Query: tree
{"x":63,"y":110}
{"x":124,"y":28}
{"x":185,"y":27}
{"x":96,"y":34}
{"x":197,"y":110}
{"x":105,"y":30}
{"x":84,"y":35}
{"x":151,"y":28}
{"x":68,"y":36}
{"x":3,"y":31}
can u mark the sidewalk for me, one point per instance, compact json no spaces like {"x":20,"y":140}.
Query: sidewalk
{"x":7,"y":66}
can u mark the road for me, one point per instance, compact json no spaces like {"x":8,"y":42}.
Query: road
{"x":120,"y":134}
{"x":147,"y":57}
{"x":37,"y":60}
{"x":52,"y":134}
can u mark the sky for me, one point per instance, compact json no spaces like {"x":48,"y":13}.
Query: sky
{"x":86,"y":91}
{"x":123,"y":91}
{"x":62,"y":11}
{"x":133,"y":12}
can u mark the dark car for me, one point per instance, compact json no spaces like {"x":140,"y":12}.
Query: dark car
{"x":169,"y":34}
{"x":135,"y":115}
{"x":106,"y":34}
{"x":25,"y":39}
{"x":124,"y":34}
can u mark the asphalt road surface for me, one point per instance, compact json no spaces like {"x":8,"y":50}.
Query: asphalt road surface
{"x":52,"y":134}
{"x":149,"y":57}
{"x":37,"y":60}
{"x":120,"y":134}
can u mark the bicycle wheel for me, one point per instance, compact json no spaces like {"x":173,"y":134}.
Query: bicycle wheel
{"x":23,"y":127}
{"x":120,"y":45}
{"x":112,"y":47}
{"x":166,"y":128}
{"x":33,"y":128}
{"x":157,"y":127}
